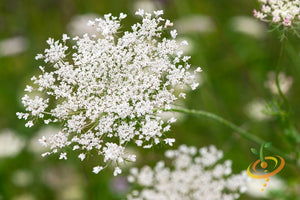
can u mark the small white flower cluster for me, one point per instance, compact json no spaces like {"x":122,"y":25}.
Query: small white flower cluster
{"x":193,"y":174}
{"x":254,"y":110}
{"x":285,"y":82}
{"x":108,"y":90}
{"x":285,"y":12}
{"x":10,"y":143}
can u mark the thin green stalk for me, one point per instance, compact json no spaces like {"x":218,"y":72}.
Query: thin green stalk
{"x":234,"y":127}
{"x":261,"y":153}
{"x":278,"y":70}
{"x":286,"y":117}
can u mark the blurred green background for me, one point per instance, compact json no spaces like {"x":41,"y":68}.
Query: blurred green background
{"x":236,"y":52}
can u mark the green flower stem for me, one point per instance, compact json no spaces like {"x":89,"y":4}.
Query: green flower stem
{"x":234,"y":127}
{"x":261,"y":153}
{"x":278,"y":70}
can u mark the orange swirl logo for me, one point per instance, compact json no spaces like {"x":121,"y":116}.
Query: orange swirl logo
{"x":269,"y":165}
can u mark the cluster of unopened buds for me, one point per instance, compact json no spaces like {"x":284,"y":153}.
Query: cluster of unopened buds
{"x":282,"y":12}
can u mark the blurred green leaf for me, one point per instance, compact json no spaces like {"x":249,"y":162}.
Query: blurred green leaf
{"x":267,"y":145}
{"x":254,"y":151}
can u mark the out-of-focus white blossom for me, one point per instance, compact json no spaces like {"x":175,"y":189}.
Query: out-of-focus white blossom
{"x":249,"y":26}
{"x":10,"y":143}
{"x":78,"y":25}
{"x":254,"y":186}
{"x":147,"y":5}
{"x":13,"y":46}
{"x":195,"y":24}
{"x":193,"y":174}
{"x":254,"y":110}
{"x":108,"y":90}
{"x":284,"y":12}
{"x":285,"y":82}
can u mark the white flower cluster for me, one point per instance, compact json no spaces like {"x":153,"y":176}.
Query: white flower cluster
{"x":193,"y":174}
{"x":108,"y":90}
{"x":10,"y":143}
{"x":285,"y":82}
{"x":285,"y":12}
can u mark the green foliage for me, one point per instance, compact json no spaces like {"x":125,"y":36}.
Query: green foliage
{"x":254,"y":151}
{"x":273,"y":108}
{"x":267,"y":145}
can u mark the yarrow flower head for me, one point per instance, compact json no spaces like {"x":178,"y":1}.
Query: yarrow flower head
{"x":107,"y":90}
{"x":192,"y":174}
{"x":279,"y":12}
